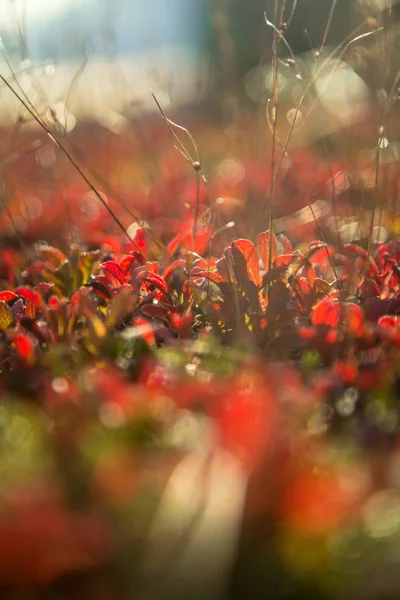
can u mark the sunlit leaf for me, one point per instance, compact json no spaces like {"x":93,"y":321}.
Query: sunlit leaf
{"x":326,"y":312}
{"x":29,"y":294}
{"x":114,"y":273}
{"x":6,"y":296}
{"x":286,"y":244}
{"x":86,"y":262}
{"x":6,"y":318}
{"x":155,"y":280}
{"x":249,"y":251}
{"x":264,"y":241}
{"x":54,"y":255}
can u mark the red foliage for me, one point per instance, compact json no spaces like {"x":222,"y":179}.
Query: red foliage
{"x":40,"y":540}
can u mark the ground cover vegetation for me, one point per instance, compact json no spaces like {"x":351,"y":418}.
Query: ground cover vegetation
{"x":176,"y":275}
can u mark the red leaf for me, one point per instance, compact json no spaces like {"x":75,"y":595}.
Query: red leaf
{"x":29,"y":294}
{"x":285,"y":260}
{"x":249,"y":251}
{"x":114,"y":273}
{"x":54,"y":255}
{"x":24,"y":347}
{"x":319,"y":254}
{"x":246,"y":421}
{"x":389,"y":321}
{"x":263,"y":243}
{"x":318,"y":502}
{"x":182,"y":323}
{"x":306,"y":333}
{"x":326,"y":312}
{"x":213,"y":276}
{"x":41,"y":541}
{"x":54,"y":303}
{"x":360,"y":257}
{"x":185,"y":239}
{"x":354,"y":318}
{"x":145,"y":329}
{"x":286,"y":244}
{"x":152,"y":267}
{"x":127,"y":262}
{"x":30,"y":309}
{"x":6,"y":296}
{"x":140,"y":241}
{"x":175,"y":243}
{"x":155,"y":280}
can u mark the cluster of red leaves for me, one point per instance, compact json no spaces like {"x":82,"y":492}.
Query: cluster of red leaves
{"x":340,"y":302}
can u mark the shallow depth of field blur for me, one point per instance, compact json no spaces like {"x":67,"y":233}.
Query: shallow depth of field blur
{"x":197,"y":400}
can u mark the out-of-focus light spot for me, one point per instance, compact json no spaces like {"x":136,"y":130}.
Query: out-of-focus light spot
{"x":379,"y":5}
{"x":18,"y":432}
{"x":294,"y":116}
{"x":254,"y":84}
{"x":45,"y":156}
{"x":122,"y":362}
{"x":380,"y":234}
{"x":318,"y":423}
{"x":351,"y":230}
{"x":31,"y":208}
{"x":90,"y":207}
{"x":345,"y":406}
{"x":114,"y":122}
{"x":25,"y":64}
{"x":163,"y":408}
{"x":381,"y":514}
{"x":386,"y":419}
{"x":342,"y":92}
{"x":229,"y":202}
{"x":61,"y":117}
{"x":60,"y":385}
{"x":111,"y":415}
{"x":134,"y":227}
{"x":281,"y":81}
{"x":339,"y":183}
{"x":191,"y":369}
{"x":192,"y":432}
{"x":259,"y":83}
{"x":321,"y":210}
{"x":50,"y":68}
{"x":383,"y":142}
{"x":231,"y":171}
